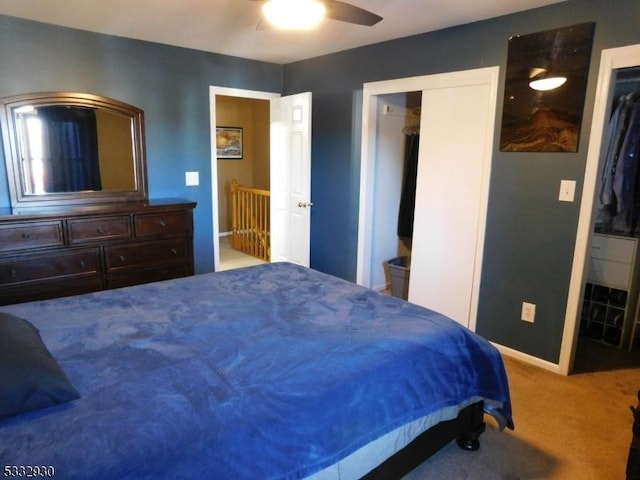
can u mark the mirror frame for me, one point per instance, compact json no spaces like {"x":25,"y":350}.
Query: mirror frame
{"x":21,"y":201}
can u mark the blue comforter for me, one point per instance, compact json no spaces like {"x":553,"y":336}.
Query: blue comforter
{"x":274,"y":371}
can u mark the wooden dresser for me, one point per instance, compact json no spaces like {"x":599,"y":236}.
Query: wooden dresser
{"x":95,"y":248}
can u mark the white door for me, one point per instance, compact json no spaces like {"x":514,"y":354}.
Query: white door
{"x":291,"y":178}
{"x":456,"y":136}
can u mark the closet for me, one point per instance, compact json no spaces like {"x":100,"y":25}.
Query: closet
{"x":396,"y":165}
{"x":609,"y":313}
{"x":452,"y":187}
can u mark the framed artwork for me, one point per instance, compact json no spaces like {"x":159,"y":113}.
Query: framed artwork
{"x":229,"y":142}
{"x":545,"y":87}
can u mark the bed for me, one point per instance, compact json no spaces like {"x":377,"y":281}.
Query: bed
{"x":274,"y":371}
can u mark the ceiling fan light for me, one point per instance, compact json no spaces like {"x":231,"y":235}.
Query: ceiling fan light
{"x":544,"y":83}
{"x":294,"y":14}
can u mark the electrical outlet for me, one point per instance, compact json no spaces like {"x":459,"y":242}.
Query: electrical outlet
{"x":528,"y":312}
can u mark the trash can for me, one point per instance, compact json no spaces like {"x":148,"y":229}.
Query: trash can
{"x":399,"y":268}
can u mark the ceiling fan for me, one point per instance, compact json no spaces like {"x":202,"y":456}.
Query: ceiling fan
{"x":333,"y":9}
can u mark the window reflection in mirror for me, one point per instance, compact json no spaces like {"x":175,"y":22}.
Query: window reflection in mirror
{"x":74,"y":149}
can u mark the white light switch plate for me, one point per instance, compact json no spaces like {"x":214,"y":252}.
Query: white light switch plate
{"x":192,"y":179}
{"x":567,"y":190}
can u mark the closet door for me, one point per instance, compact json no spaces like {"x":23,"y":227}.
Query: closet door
{"x":456,"y":140}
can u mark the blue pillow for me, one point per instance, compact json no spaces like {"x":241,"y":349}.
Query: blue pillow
{"x":30,"y":378}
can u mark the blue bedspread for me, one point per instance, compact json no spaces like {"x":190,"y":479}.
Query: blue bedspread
{"x":275,"y":371}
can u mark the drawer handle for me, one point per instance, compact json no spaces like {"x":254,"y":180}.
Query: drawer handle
{"x":162,"y":223}
{"x":174,"y":251}
{"x":13,"y":273}
{"x":82,"y":264}
{"x":122,"y":258}
{"x":100,"y":229}
{"x":26,"y":235}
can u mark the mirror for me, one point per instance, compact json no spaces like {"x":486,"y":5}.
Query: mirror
{"x":70,"y":149}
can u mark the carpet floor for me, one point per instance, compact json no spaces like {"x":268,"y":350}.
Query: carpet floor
{"x":575,"y":427}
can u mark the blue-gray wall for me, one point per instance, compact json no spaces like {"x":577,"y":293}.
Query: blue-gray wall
{"x":530,"y":236}
{"x":170,"y":84}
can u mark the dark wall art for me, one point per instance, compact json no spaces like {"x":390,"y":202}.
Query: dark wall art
{"x":545,"y":89}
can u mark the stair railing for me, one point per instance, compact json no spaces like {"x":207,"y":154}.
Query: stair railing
{"x":250,"y":209}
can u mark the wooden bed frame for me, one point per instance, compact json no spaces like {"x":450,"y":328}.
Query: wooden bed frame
{"x":465,"y":429}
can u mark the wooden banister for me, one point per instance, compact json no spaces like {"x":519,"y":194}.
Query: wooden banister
{"x":250,"y":208}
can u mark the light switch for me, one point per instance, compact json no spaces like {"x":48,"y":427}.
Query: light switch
{"x":567,"y":190}
{"x":192,"y":179}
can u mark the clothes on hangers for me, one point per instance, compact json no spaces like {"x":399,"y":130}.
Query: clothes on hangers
{"x":406,"y":211}
{"x":620,"y":192}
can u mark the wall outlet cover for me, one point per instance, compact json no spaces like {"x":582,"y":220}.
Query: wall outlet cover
{"x":528,"y":312}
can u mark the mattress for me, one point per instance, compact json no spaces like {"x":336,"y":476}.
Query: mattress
{"x":274,"y":371}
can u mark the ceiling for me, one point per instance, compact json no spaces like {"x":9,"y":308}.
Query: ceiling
{"x":229,"y":26}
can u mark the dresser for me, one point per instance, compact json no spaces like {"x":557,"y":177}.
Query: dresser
{"x":94,"y":248}
{"x":611,"y":292}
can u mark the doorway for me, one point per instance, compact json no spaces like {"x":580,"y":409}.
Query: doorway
{"x":398,"y":119}
{"x":612,"y":62}
{"x":217,"y":205}
{"x":241,"y":246}
{"x":446,"y":267}
{"x":289,"y":177}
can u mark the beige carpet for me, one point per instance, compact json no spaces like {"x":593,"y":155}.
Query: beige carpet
{"x":576,"y":427}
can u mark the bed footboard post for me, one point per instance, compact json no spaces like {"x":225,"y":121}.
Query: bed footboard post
{"x":473,"y":427}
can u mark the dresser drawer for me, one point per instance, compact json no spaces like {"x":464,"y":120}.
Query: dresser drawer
{"x":42,"y":290}
{"x":148,"y":253}
{"x":99,"y":228}
{"x":57,"y":264}
{"x":169,"y":223}
{"x":615,"y":249}
{"x":138,"y":277}
{"x":18,"y":236}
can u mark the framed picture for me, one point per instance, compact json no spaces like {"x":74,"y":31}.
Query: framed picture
{"x":229,"y":142}
{"x":545,"y":89}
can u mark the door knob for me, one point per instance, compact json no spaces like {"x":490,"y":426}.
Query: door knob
{"x":305,"y":204}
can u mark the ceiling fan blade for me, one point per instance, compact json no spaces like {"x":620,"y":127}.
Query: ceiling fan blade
{"x":345,"y":12}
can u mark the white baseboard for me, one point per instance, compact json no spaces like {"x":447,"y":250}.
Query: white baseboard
{"x":529,"y":359}
{"x":381,"y":288}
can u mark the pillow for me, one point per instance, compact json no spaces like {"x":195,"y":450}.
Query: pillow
{"x":30,"y":378}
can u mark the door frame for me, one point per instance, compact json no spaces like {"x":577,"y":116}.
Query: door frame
{"x":214,"y":91}
{"x":371,"y":92}
{"x":611,"y":59}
